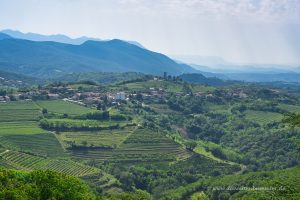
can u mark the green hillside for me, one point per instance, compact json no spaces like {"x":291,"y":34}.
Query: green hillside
{"x":164,"y":139}
{"x":50,"y":59}
{"x":281,"y":184}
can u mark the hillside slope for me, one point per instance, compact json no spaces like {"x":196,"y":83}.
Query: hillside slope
{"x":197,"y":78}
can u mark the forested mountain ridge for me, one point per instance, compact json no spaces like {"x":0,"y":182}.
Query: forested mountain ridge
{"x":47,"y":59}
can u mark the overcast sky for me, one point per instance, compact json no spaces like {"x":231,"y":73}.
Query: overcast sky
{"x":241,"y":31}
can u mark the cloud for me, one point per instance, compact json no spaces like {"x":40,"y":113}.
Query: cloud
{"x":251,"y":10}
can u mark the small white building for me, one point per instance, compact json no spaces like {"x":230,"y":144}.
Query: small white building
{"x":120,"y":96}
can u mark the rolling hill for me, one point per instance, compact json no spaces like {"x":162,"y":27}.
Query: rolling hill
{"x":13,"y":79}
{"x":38,"y":37}
{"x":47,"y":59}
{"x":54,"y":38}
{"x":198,"y":78}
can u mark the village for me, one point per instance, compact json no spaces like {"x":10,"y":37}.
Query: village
{"x":94,"y":96}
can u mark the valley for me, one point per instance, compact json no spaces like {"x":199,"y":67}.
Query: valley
{"x":156,"y":134}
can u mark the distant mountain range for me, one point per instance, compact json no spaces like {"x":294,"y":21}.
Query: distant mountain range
{"x":39,"y":38}
{"x":54,"y":38}
{"x":262,"y":77}
{"x":4,"y":36}
{"x":252,"y":73}
{"x":53,"y":56}
{"x":48,"y":59}
{"x":218,"y":64}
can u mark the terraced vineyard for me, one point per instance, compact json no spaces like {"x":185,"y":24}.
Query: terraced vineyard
{"x":21,"y":160}
{"x":30,"y":162}
{"x":142,"y":145}
{"x":104,"y":138}
{"x":68,"y":167}
{"x":19,"y":111}
{"x":44,"y":144}
{"x":86,"y":124}
{"x":63,"y":107}
{"x":5,"y":164}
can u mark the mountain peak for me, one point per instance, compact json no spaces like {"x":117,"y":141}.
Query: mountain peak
{"x":43,"y":38}
{"x":59,"y":38}
{"x":91,"y":56}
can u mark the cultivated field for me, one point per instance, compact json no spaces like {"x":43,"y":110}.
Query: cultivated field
{"x":63,"y":107}
{"x":142,"y":145}
{"x":73,"y":124}
{"x":262,"y":117}
{"x":223,"y":108}
{"x":30,"y":162}
{"x":165,"y":85}
{"x":104,"y":138}
{"x":19,"y":111}
{"x":23,"y":127}
{"x":44,"y":144}
{"x":290,"y":108}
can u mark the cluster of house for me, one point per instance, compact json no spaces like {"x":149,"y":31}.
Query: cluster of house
{"x":67,"y":94}
{"x":18,"y":96}
{"x":8,"y":82}
{"x":4,"y":98}
{"x":98,"y":97}
{"x":238,"y":94}
{"x":153,"y":93}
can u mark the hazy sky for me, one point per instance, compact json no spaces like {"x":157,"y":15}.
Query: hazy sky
{"x":244,"y":31}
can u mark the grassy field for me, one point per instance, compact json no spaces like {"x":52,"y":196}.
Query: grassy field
{"x":163,"y":108}
{"x":166,"y":85}
{"x":262,"y":117}
{"x":142,"y":145}
{"x":16,"y":128}
{"x":19,"y":111}
{"x":104,"y":138}
{"x":63,"y":107}
{"x":19,"y":105}
{"x":290,"y":108}
{"x":223,"y":108}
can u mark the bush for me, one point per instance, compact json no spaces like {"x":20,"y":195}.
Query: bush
{"x":95,"y":116}
{"x":42,"y":185}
